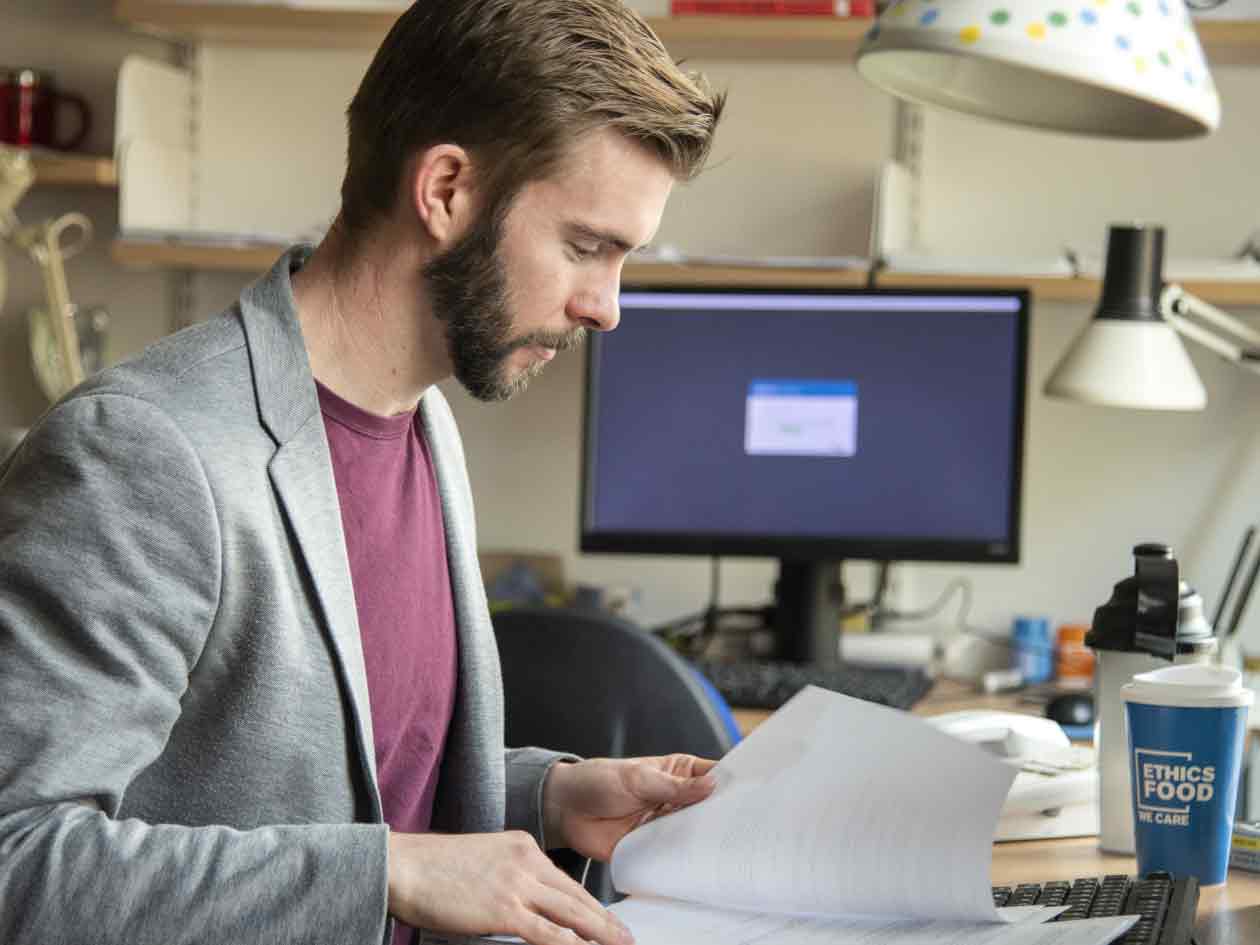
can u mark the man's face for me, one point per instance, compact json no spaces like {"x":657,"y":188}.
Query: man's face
{"x":511,"y":296}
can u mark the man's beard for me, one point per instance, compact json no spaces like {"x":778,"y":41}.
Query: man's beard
{"x":469,"y":293}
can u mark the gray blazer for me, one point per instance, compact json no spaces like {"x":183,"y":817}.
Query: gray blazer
{"x":179,"y":643}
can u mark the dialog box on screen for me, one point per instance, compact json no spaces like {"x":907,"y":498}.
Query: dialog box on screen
{"x":801,"y":418}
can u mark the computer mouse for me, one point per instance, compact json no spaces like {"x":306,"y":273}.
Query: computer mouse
{"x":1071,"y":708}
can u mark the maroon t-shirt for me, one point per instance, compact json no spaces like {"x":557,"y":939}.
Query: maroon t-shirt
{"x":392,"y":517}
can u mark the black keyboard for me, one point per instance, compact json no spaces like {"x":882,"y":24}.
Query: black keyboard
{"x":1166,"y":904}
{"x":756,"y":684}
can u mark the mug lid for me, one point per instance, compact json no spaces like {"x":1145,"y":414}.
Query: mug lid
{"x":1191,"y":686}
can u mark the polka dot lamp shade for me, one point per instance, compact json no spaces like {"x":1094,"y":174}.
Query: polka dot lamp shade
{"x":1115,"y":68}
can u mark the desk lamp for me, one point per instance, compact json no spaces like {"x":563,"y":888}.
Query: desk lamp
{"x":49,"y":243}
{"x":1124,"y":69}
{"x":1129,"y":354}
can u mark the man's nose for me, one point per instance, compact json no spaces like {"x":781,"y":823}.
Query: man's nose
{"x":598,"y":311}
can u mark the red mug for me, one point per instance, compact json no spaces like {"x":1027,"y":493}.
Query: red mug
{"x":29,"y":106}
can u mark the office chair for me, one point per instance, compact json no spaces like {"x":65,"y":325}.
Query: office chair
{"x":595,"y":685}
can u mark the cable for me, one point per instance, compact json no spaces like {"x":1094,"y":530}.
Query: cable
{"x":957,"y":584}
{"x":715,"y":587}
{"x":954,"y":586}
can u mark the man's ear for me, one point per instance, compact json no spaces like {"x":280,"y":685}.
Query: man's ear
{"x":442,"y":191}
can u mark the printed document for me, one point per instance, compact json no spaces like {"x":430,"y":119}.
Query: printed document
{"x":836,"y":821}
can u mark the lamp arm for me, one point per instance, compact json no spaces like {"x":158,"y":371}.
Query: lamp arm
{"x":1178,"y":306}
{"x":44,"y":243}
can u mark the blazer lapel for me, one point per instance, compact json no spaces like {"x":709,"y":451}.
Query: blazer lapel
{"x":472,"y":790}
{"x":301,"y":473}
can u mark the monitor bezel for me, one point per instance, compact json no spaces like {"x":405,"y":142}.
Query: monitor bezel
{"x":802,"y":548}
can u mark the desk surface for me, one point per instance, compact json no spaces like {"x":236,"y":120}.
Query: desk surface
{"x":948,"y":695}
{"x":1228,"y":915}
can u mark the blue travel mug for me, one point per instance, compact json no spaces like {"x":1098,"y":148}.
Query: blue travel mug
{"x":1034,"y":654}
{"x":1186,"y":730}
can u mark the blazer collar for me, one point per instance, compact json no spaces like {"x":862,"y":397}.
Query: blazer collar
{"x":283,"y":383}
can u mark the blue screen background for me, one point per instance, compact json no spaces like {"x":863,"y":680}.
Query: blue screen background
{"x":936,"y":415}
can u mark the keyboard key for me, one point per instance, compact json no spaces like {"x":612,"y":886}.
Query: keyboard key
{"x":1025,"y":895}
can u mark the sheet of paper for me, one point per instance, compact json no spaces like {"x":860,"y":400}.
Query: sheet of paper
{"x":833,"y":806}
{"x":661,"y":922}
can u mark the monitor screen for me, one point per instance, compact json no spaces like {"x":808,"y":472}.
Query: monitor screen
{"x":808,"y":425}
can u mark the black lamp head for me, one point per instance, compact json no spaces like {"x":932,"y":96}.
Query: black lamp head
{"x":1134,"y":275}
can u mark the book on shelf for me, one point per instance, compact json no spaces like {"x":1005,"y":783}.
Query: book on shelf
{"x":842,"y":8}
{"x":836,"y":821}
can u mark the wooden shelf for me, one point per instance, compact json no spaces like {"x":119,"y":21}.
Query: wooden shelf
{"x":1081,"y":289}
{"x":1043,"y":288}
{"x":256,"y":24}
{"x":257,"y":258}
{"x":649,"y":274}
{"x":729,"y":37}
{"x":144,"y":254}
{"x":1230,"y":42}
{"x":267,"y":25}
{"x":74,"y":170}
{"x":750,"y":37}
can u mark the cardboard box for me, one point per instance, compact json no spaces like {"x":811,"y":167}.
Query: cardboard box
{"x":546,"y":568}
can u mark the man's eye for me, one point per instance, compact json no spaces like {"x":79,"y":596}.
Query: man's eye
{"x":583,"y":252}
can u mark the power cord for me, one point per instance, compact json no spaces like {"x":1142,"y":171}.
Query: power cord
{"x":690,"y":633}
{"x":957,"y":585}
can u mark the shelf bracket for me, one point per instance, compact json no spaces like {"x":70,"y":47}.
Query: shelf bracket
{"x":908,"y":151}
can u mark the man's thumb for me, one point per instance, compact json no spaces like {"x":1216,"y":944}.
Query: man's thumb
{"x":654,"y":786}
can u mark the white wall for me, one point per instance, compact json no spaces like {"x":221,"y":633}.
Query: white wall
{"x":792,"y":173}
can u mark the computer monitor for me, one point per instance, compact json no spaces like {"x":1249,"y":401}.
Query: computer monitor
{"x":810,"y":426}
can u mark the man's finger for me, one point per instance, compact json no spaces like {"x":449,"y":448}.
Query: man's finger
{"x":689,"y":765}
{"x":701,"y":766}
{"x":560,"y":881}
{"x":571,"y":911}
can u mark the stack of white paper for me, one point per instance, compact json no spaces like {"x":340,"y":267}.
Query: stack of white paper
{"x":836,"y":821}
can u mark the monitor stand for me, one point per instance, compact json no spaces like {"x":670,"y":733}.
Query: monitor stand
{"x":808,"y":600}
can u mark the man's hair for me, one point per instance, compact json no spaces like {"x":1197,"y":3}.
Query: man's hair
{"x":516,"y":83}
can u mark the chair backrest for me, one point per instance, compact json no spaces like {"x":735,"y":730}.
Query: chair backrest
{"x":599,"y":686}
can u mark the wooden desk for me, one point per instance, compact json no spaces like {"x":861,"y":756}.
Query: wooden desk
{"x":948,"y":695}
{"x":1228,"y":915}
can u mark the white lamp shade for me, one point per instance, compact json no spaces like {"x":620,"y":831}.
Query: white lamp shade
{"x":1115,"y":68}
{"x":1121,"y":363}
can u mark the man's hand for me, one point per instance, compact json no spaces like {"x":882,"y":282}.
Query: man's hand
{"x":501,"y":883}
{"x":591,"y":805}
